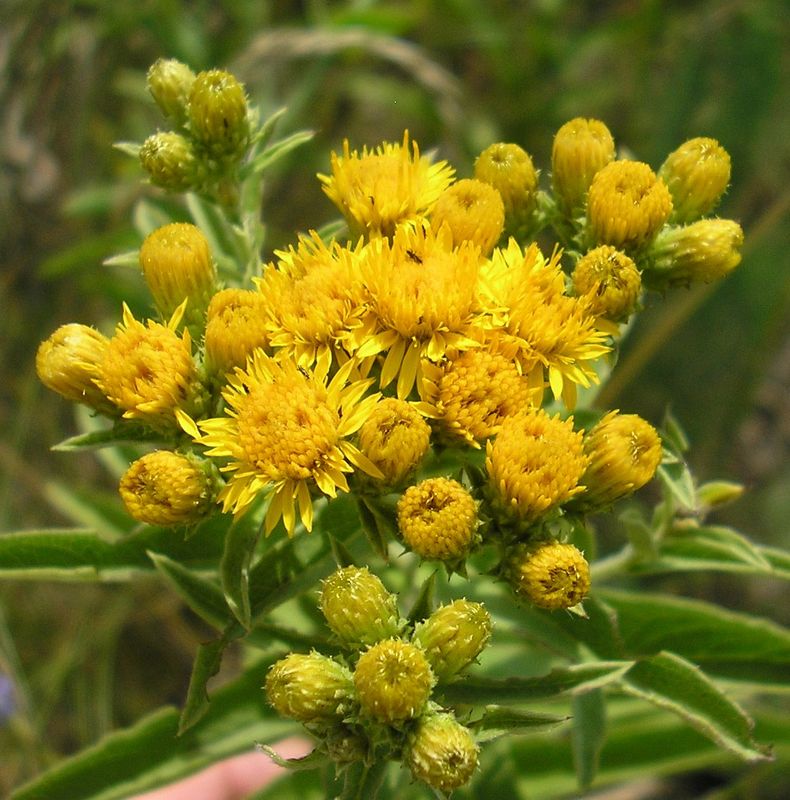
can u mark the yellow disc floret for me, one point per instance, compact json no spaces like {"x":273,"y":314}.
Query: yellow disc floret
{"x":627,"y":205}
{"x":473,"y":211}
{"x":550,"y":575}
{"x":535,"y":464}
{"x":395,"y":437}
{"x":393,"y":681}
{"x":166,"y":488}
{"x":376,"y":190}
{"x":610,"y":282}
{"x":438,"y":519}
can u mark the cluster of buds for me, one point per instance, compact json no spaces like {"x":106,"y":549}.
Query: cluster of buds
{"x":375,"y":701}
{"x":211,"y":127}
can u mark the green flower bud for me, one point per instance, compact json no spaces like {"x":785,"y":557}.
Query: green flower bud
{"x":393,"y":681}
{"x":218,"y":113}
{"x":509,"y":169}
{"x":169,"y":82}
{"x":310,"y":688}
{"x":441,"y":752}
{"x":170,"y":162}
{"x":358,"y":608}
{"x":454,"y":636}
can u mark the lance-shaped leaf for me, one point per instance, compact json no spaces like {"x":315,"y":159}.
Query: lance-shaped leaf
{"x":206,"y":666}
{"x":234,"y":568}
{"x":589,"y":734}
{"x":498,"y":721}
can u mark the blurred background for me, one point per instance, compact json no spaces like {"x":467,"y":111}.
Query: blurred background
{"x":459,"y":74}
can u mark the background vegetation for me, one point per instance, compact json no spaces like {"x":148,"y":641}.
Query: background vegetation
{"x":459,"y":74}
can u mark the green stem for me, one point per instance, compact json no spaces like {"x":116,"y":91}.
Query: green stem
{"x":363,"y":781}
{"x":615,"y":564}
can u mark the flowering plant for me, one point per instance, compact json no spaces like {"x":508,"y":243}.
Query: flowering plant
{"x":381,"y":450}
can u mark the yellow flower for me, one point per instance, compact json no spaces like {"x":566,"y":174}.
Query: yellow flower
{"x":314,"y":293}
{"x":393,"y":681}
{"x":177,"y":265}
{"x":535,"y":464}
{"x":441,"y":752}
{"x":509,"y":169}
{"x":218,"y":114}
{"x":581,"y":148}
{"x":609,"y":281}
{"x":285,"y":431}
{"x":423,"y":299}
{"x":550,"y":575}
{"x":378,"y":189}
{"x":624,"y":452}
{"x":166,"y":488}
{"x":395,"y":437}
{"x":68,"y":362}
{"x":470,"y":393}
{"x":170,"y":161}
{"x":696,"y":174}
{"x":236,"y":324}
{"x":148,"y":370}
{"x":169,"y":82}
{"x":473,"y":211}
{"x":627,"y":205}
{"x":548,"y":333}
{"x":438,"y":519}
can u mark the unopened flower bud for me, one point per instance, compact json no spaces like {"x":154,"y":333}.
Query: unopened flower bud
{"x":441,"y":752}
{"x":696,"y":174}
{"x":166,"y":488}
{"x":550,"y":575}
{"x":454,"y":636}
{"x":170,"y":161}
{"x":358,"y":608}
{"x":169,"y":82}
{"x":627,"y":205}
{"x":177,"y":265}
{"x":438,"y":519}
{"x":610,"y":282}
{"x":310,"y":688}
{"x":473,"y":211}
{"x":395,"y":437}
{"x":624,"y":452}
{"x":393,"y":681}
{"x":218,"y":113}
{"x":509,"y":169}
{"x":581,"y":148}
{"x":69,"y":360}
{"x":701,"y":252}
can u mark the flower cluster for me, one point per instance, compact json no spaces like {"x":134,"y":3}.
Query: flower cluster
{"x":375,"y":700}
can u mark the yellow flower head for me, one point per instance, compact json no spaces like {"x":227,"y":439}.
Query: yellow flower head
{"x":423,"y":298}
{"x":166,"y":488}
{"x":701,"y":252}
{"x":236,"y":324}
{"x":581,"y":148}
{"x":148,"y":370}
{"x":170,"y":161}
{"x":218,"y":113}
{"x":395,"y":437}
{"x":548,"y":333}
{"x":609,"y":281}
{"x":627,"y":205}
{"x":509,"y":169}
{"x":624,"y":452}
{"x":169,"y":82}
{"x":550,"y":575}
{"x":696,"y":174}
{"x":314,"y":293}
{"x":393,"y":681}
{"x":285,"y":431}
{"x":379,"y":189}
{"x":68,"y":362}
{"x":177,"y":265}
{"x":442,"y":753}
{"x":473,"y":210}
{"x":535,"y":464}
{"x":470,"y":393}
{"x":438,"y":519}
{"x":310,"y":688}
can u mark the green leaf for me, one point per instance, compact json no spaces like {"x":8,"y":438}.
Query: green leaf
{"x":588,"y":735}
{"x":577,"y":678}
{"x":723,"y":643}
{"x":206,"y":666}
{"x":599,"y":630}
{"x":204,"y":597}
{"x":271,"y":154}
{"x":375,"y":528}
{"x":363,"y":781}
{"x":670,"y":682}
{"x":423,"y":605}
{"x":121,"y":433}
{"x":129,"y":148}
{"x":674,"y":435}
{"x":678,"y":481}
{"x":234,"y":568}
{"x":310,"y":761}
{"x":779,"y":561}
{"x":129,"y":258}
{"x":498,"y":721}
